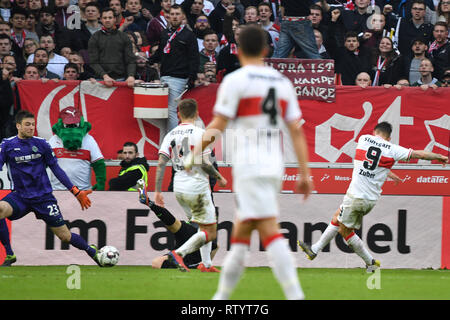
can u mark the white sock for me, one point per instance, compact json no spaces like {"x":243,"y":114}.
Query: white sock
{"x":283,"y":266}
{"x":233,"y":266}
{"x":194,"y":243}
{"x":205,"y":253}
{"x":330,"y":232}
{"x":355,"y":242}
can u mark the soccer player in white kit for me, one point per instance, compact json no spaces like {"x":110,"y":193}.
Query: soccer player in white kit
{"x":256,"y":101}
{"x":192,"y":189}
{"x":374,"y":158}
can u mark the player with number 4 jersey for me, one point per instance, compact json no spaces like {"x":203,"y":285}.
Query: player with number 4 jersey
{"x":374,"y":158}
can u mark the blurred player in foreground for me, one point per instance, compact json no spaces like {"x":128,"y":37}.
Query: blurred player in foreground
{"x":192,"y":189}
{"x":374,"y":158}
{"x":256,"y":100}
{"x":27,"y":158}
{"x":181,"y":230}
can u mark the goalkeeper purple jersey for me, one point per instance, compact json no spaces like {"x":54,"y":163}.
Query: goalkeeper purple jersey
{"x":27,"y":160}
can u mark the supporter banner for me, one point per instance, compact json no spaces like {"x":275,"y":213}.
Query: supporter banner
{"x":397,"y":231}
{"x":420,"y":118}
{"x":313,"y":79}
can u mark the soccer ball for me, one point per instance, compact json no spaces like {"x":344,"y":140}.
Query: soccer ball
{"x":108,"y":256}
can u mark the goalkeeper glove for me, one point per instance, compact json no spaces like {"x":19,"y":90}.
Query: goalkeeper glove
{"x":82,"y":197}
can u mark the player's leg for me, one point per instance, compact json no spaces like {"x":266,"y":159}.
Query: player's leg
{"x":234,"y":262}
{"x":6,"y":209}
{"x":6,"y":242}
{"x":74,"y":239}
{"x":329,"y":234}
{"x":350,"y":218}
{"x":280,"y":257}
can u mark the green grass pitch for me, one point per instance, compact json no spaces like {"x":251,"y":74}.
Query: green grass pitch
{"x":145,"y":283}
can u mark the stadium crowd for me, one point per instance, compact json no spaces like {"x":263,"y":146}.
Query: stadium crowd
{"x":188,"y":43}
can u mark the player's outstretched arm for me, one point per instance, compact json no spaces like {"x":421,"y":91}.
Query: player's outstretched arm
{"x":304,"y":184}
{"x":162,"y":162}
{"x":394,"y":177}
{"x":427,"y":155}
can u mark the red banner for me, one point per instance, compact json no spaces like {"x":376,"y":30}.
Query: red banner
{"x":420,"y":118}
{"x":313,"y":79}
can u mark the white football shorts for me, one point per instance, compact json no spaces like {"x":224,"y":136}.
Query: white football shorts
{"x":257,"y":197}
{"x":199,"y":208}
{"x":353,"y":210}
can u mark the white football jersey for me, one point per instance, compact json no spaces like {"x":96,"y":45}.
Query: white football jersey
{"x":176,"y":145}
{"x":76,"y":164}
{"x":257,"y":100}
{"x":374,"y":159}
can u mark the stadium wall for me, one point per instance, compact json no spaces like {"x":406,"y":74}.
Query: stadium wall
{"x":401,"y":231}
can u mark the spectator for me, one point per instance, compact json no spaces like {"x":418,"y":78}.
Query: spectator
{"x":30,"y":26}
{"x":7,"y":126}
{"x":62,"y":36}
{"x":71,"y":72}
{"x":439,"y":50}
{"x":5,"y":9}
{"x":9,"y":62}
{"x":403,"y":82}
{"x":192,"y":8}
{"x":40,"y":59}
{"x":411,"y":62}
{"x":265,"y":14}
{"x":82,"y":5}
{"x":386,"y":63}
{"x":134,"y":20}
{"x":6,"y":50}
{"x":218,"y":14}
{"x":228,"y":61}
{"x":443,"y":11}
{"x":31,"y":72}
{"x":111,"y":53}
{"x":132,"y":169}
{"x":158,"y":23}
{"x":144,"y":73}
{"x":120,"y":155}
{"x":29,"y":46}
{"x":320,"y":46}
{"x":210,"y":76}
{"x":350,"y":60}
{"x":34,"y":6}
{"x":426,"y":80}
{"x":61,"y":14}
{"x":200,"y":80}
{"x":251,"y":14}
{"x":18,"y":21}
{"x":84,"y":70}
{"x":179,"y":59}
{"x":414,"y":27}
{"x":209,"y":53}
{"x":200,"y":28}
{"x":355,"y":20}
{"x":65,"y":52}
{"x":116,"y":5}
{"x":91,"y":25}
{"x":363,"y":80}
{"x":371,"y":38}
{"x":56,"y":62}
{"x":446,"y":79}
{"x":296,"y":30}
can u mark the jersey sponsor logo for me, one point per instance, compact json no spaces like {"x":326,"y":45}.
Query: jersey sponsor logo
{"x":27,"y":158}
{"x":67,"y":154}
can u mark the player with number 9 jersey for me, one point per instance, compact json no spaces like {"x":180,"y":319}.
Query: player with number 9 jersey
{"x":373,"y":160}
